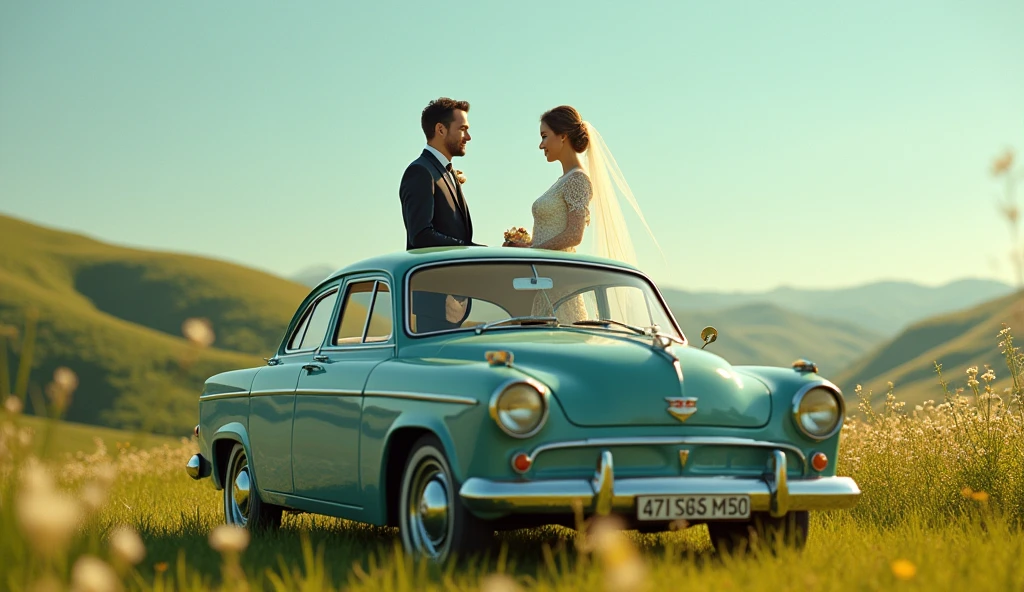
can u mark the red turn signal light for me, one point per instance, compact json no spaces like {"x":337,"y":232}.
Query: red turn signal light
{"x":521,"y":462}
{"x":819,"y":461}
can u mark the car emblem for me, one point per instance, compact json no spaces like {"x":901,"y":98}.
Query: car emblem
{"x":682,"y":408}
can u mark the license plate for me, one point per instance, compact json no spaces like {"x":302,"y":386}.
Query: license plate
{"x":692,"y":507}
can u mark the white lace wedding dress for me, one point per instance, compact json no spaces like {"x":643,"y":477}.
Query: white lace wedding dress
{"x":554,"y":229}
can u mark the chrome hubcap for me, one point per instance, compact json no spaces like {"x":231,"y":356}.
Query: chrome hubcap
{"x":238,"y":500}
{"x":427,"y":514}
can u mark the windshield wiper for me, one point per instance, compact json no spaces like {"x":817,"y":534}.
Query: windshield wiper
{"x":548,"y":320}
{"x":606,"y":322}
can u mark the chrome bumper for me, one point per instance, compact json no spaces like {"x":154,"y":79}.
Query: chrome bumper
{"x":198,"y":467}
{"x":773,"y":492}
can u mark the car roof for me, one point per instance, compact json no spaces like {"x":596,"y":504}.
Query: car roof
{"x":398,"y":263}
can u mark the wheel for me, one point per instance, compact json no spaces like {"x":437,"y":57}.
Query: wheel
{"x":431,"y":519}
{"x":242,"y":504}
{"x":789,"y":530}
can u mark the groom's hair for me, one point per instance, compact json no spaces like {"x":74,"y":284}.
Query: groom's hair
{"x":440,"y":111}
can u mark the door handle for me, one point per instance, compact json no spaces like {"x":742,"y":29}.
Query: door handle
{"x":320,"y":358}
{"x":312,"y":367}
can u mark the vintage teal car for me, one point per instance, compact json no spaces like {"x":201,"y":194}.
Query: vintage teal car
{"x":453,"y":392}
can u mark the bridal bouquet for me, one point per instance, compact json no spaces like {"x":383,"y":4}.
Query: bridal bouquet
{"x":517,"y":235}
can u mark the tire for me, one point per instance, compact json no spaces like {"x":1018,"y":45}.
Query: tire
{"x":431,"y":518}
{"x":762,"y":530}
{"x":242,"y":504}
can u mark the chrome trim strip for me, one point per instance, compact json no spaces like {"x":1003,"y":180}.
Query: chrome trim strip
{"x":406,"y":306}
{"x":424,"y":397}
{"x":231,"y":395}
{"x":798,"y":398}
{"x":356,"y":347}
{"x":668,"y":441}
{"x":329,"y":392}
{"x":271,"y":393}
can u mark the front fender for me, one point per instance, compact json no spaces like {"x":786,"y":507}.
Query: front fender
{"x":784,"y":383}
{"x":233,"y":432}
{"x":421,"y":420}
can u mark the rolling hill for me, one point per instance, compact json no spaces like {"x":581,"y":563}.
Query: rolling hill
{"x":114,"y":316}
{"x":956,"y":340}
{"x":772,"y":335}
{"x":885,"y":308}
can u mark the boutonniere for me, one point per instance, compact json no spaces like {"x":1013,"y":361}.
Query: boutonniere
{"x":460,"y":177}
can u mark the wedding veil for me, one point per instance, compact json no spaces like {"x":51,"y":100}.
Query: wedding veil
{"x":611,"y":235}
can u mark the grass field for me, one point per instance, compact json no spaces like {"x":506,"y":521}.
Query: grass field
{"x":942,"y":507}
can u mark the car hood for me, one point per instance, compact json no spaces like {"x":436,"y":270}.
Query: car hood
{"x":611,"y":380}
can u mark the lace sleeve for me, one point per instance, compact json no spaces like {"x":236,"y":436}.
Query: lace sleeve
{"x":577,"y":192}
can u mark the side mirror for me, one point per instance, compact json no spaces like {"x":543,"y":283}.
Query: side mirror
{"x":708,"y":336}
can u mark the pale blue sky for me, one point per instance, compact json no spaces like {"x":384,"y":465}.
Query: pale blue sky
{"x":811,"y":144}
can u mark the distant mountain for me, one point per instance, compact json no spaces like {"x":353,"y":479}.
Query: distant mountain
{"x":311,"y":276}
{"x":771,"y":335}
{"x":956,"y":341}
{"x":114,"y":315}
{"x":882,"y":307}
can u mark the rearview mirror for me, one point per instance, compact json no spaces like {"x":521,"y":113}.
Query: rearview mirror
{"x":532,"y":283}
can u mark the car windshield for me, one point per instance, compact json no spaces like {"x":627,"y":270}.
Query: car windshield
{"x":482,"y":295}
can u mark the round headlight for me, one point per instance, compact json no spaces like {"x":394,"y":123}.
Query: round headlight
{"x":520,"y":408}
{"x":818,"y":412}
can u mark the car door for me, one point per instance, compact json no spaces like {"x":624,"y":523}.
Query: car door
{"x":272,"y":398}
{"x":328,"y":400}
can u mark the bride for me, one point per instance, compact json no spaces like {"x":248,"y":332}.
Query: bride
{"x":564,"y":211}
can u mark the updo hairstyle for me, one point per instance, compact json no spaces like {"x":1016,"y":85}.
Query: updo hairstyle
{"x":566,"y":120}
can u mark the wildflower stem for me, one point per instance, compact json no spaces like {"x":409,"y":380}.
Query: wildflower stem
{"x":25,"y":359}
{"x":5,"y":373}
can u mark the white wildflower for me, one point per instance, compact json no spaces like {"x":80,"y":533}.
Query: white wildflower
{"x":13,"y":405}
{"x":228,"y":538}
{"x":198,"y":331}
{"x":91,"y":574}
{"x":126,"y":545}
{"x":93,"y":496}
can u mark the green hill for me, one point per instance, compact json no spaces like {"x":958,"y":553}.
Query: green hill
{"x":114,"y":316}
{"x":769,"y":334}
{"x":885,"y":307}
{"x":956,"y":340}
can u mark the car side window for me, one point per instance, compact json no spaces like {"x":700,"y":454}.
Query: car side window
{"x":355,"y":307}
{"x":381,"y":318}
{"x":311,"y":331}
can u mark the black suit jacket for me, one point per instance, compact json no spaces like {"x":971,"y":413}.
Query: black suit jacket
{"x":435,"y":212}
{"x":436,"y":215}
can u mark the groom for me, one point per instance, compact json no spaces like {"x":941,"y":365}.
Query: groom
{"x":434,"y":207}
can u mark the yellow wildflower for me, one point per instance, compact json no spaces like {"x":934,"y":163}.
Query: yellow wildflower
{"x":903,"y":569}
